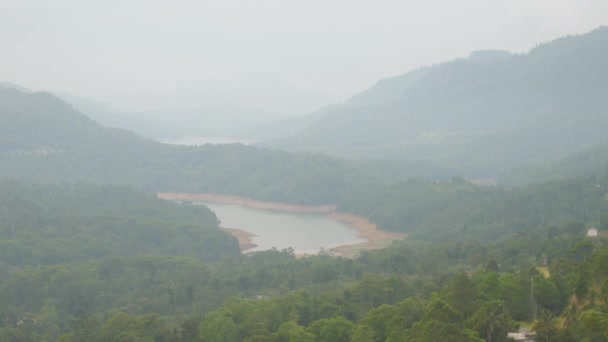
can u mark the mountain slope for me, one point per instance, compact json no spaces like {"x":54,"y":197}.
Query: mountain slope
{"x":42,"y":151}
{"x":33,"y":120}
{"x":45,"y":140}
{"x":590,"y":162}
{"x":171,"y":124}
{"x":477,"y":115}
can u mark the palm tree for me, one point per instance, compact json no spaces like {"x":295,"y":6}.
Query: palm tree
{"x":545,"y":326}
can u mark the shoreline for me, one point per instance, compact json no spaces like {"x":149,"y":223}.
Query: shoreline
{"x":249,"y":203}
{"x":376,"y":239}
{"x":244,"y":237}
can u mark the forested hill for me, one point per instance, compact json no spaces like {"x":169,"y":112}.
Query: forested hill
{"x":45,"y":140}
{"x":50,"y":142}
{"x":108,"y":263}
{"x":480,"y":114}
{"x":587,"y":162}
{"x":52,"y":224}
{"x":38,"y":122}
{"x":81,"y":263}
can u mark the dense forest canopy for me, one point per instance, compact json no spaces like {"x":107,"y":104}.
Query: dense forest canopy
{"x":54,"y":224}
{"x":97,"y":263}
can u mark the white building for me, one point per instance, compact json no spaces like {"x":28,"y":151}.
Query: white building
{"x":521,"y":336}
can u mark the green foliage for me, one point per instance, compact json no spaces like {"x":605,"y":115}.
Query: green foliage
{"x":491,"y":321}
{"x":545,"y":326}
{"x":478,"y":115}
{"x":377,"y":320}
{"x":114,"y":298}
{"x":432,"y":330}
{"x":219,"y":327}
{"x":407,"y":313}
{"x":62,"y":224}
{"x":333,"y":329}
{"x":583,"y":163}
{"x":440,"y":311}
{"x":460,"y":210}
{"x":44,"y":140}
{"x":461,"y":294}
{"x":440,"y":321}
{"x":108,"y":263}
{"x":49,"y":142}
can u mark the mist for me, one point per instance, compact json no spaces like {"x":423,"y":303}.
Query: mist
{"x":295,"y":170}
{"x":282,"y":57}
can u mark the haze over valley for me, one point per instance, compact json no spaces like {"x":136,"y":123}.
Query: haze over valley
{"x":304,"y":171}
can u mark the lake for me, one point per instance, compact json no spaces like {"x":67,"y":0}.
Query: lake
{"x":202,"y":140}
{"x":305,"y":233}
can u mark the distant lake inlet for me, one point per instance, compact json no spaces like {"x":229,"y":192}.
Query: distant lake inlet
{"x":203,"y":140}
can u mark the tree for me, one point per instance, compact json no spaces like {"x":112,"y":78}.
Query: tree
{"x":363,"y":333}
{"x":491,"y":321}
{"x":84,"y":327}
{"x":595,"y":322}
{"x":489,"y":285}
{"x":545,"y":326}
{"x":547,"y":294}
{"x":432,"y":330}
{"x":407,"y":313}
{"x":378,"y":320}
{"x":440,"y":311}
{"x":462,"y":294}
{"x":492,"y":266}
{"x":118,"y":328}
{"x":515,"y":296}
{"x":574,"y":229}
{"x":337,"y":329}
{"x":604,"y":220}
{"x":219,"y":327}
{"x":292,"y":332}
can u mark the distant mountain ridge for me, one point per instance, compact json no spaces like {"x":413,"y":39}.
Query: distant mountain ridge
{"x":170,"y":124}
{"x":31,"y":120}
{"x":477,"y":115}
{"x":45,"y":140}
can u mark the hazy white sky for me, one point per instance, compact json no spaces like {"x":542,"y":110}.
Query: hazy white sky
{"x":281,"y":55}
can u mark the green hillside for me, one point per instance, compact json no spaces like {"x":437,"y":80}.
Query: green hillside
{"x":86,"y":263}
{"x":46,"y":140}
{"x":587,"y":162}
{"x":479,"y":115}
{"x":53,"y":224}
{"x":108,"y":263}
{"x":53,"y":143}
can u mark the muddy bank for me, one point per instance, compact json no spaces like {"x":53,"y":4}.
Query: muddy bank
{"x":376,"y":238}
{"x":247,"y":202}
{"x":367,"y":230}
{"x":244,"y":238}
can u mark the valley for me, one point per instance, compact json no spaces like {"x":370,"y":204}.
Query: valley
{"x":238,"y":223}
{"x":355,"y":223}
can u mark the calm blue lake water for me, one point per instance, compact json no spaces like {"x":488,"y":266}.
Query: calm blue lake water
{"x":305,"y":233}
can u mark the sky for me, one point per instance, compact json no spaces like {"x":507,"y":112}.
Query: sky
{"x":282,"y":56}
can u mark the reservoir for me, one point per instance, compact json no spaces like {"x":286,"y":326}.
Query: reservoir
{"x":305,"y":233}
